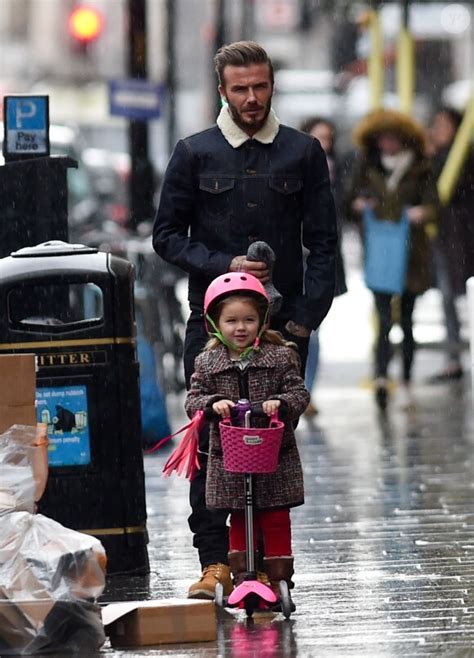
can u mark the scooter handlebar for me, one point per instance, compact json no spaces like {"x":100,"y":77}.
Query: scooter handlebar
{"x":256,"y":411}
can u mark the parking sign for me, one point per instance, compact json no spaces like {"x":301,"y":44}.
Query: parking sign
{"x":26,"y":127}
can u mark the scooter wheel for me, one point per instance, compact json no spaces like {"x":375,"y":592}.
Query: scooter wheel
{"x":285,"y":599}
{"x":251,"y":603}
{"x":219,"y":595}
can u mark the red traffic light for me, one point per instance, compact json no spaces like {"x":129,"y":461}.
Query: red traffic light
{"x":85,"y":24}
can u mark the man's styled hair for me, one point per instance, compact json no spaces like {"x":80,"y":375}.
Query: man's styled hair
{"x":241,"y":53}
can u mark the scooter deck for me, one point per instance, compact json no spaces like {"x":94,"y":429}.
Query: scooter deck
{"x":251,"y":587}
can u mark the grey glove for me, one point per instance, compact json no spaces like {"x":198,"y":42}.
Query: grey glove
{"x":261,"y":251}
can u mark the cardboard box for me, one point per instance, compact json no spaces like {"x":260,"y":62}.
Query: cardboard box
{"x":173,"y":621}
{"x":17,"y":390}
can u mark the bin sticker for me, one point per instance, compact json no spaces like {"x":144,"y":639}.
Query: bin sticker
{"x":64,"y":409}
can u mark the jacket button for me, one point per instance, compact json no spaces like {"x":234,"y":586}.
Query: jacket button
{"x":250,"y":171}
{"x":250,"y":204}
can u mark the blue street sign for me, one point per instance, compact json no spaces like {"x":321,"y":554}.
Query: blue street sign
{"x":26,"y":126}
{"x":135,"y":99}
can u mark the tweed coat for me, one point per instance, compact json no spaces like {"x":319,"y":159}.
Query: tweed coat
{"x":272,"y":374}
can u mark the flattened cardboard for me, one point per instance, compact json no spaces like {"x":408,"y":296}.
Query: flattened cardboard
{"x":173,"y":621}
{"x":17,"y":390}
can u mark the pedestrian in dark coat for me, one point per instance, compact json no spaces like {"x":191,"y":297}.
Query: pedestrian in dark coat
{"x":244,"y":180}
{"x":325,"y":131}
{"x":392,"y":175}
{"x":453,"y":247}
{"x":456,"y":222}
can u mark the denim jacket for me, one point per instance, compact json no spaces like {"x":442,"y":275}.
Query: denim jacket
{"x":217,"y":199}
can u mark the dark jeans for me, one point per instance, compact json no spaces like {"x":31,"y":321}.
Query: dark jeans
{"x":211,"y":534}
{"x":383,"y":350}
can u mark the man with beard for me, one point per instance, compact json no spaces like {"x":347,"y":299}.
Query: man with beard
{"x":246,"y":179}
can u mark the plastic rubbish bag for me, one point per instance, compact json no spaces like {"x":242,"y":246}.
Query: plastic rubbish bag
{"x":23,"y":467}
{"x":50,"y":577}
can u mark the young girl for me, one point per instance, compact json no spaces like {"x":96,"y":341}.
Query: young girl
{"x":244,"y":359}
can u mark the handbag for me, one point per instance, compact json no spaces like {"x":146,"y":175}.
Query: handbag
{"x":386,"y":253}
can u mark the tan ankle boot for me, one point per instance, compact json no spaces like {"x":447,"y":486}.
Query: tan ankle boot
{"x":205,"y":587}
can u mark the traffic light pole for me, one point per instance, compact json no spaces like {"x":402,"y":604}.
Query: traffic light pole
{"x":141,"y":178}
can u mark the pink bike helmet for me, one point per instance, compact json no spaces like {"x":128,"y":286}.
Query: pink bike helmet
{"x":232,"y":282}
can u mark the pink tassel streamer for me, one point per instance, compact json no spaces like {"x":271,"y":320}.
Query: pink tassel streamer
{"x":185,"y":455}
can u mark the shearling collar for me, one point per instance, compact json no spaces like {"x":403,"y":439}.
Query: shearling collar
{"x":236,"y":136}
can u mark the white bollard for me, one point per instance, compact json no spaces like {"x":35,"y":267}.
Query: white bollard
{"x":470,"y":310}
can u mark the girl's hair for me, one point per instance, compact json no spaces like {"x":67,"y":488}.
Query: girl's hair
{"x":260,"y":305}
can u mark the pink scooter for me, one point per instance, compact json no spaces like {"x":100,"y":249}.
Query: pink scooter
{"x":250,"y":450}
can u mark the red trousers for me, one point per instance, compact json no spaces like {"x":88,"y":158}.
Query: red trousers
{"x":275,"y":527}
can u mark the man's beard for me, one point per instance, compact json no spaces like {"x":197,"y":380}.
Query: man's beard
{"x":254,"y":124}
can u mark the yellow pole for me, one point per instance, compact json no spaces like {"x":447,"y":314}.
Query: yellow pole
{"x":405,"y":70}
{"x":457,"y":154}
{"x":375,"y":61}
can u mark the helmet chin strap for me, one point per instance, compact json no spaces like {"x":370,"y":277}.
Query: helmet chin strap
{"x":232,"y":346}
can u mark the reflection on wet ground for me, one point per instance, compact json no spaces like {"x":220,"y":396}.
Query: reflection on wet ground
{"x":384,"y":545}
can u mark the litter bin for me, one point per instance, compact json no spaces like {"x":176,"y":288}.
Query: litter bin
{"x":72,"y":306}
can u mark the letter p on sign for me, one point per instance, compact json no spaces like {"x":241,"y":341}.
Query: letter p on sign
{"x":24,"y":110}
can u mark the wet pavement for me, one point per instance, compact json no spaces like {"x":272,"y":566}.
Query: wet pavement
{"x":384,"y":546}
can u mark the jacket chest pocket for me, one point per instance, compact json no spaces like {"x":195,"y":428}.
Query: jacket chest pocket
{"x":287,"y":196}
{"x":216,"y":195}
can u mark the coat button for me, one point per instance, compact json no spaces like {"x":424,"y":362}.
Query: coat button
{"x":250,"y":204}
{"x":250,"y":171}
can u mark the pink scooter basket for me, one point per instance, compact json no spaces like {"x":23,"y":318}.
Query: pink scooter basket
{"x":251,"y":449}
